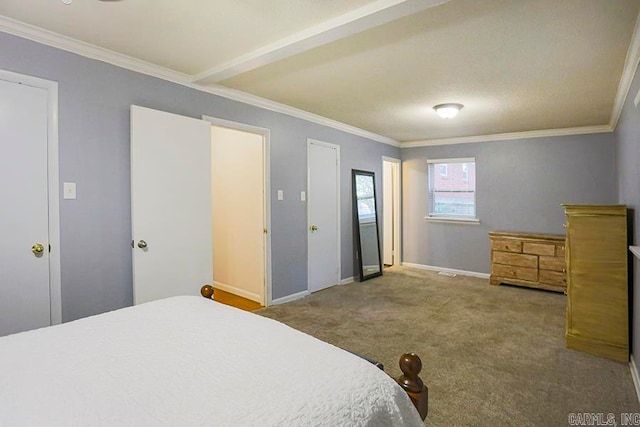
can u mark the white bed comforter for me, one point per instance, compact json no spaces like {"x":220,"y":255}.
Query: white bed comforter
{"x":187,"y":361}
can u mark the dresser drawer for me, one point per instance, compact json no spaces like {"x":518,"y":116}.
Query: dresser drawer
{"x":552,"y":263}
{"x":513,"y":272}
{"x":539,"y":248}
{"x":522,"y":260}
{"x":553,"y":277}
{"x":506,"y":245}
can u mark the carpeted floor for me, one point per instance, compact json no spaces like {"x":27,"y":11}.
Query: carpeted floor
{"x":492,"y":355}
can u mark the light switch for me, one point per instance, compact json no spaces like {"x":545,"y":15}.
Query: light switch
{"x":69,"y":190}
{"x":303,"y":196}
{"x":280,"y":195}
{"x":636,"y":101}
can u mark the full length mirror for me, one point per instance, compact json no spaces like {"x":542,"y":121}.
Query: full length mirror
{"x":368,"y":262}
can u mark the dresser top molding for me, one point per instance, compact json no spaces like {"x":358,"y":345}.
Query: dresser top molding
{"x":595,"y":209}
{"x":526,"y":236}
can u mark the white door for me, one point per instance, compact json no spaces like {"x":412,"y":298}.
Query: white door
{"x":387,"y":212}
{"x":170,"y":204}
{"x":237,"y":160}
{"x":391,"y":177}
{"x":24,"y":273}
{"x":323,"y":214}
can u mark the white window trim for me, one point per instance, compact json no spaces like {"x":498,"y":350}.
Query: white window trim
{"x":458,"y":160}
{"x":462,"y":219}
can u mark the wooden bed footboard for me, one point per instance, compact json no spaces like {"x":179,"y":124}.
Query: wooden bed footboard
{"x":410,"y":365}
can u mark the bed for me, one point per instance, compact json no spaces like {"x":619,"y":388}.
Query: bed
{"x":191,"y":361}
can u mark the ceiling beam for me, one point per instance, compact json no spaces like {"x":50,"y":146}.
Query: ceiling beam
{"x":375,"y":14}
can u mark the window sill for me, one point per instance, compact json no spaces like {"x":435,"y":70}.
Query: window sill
{"x":452,"y":220}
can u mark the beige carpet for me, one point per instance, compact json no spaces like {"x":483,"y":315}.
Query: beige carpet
{"x":492,"y":355}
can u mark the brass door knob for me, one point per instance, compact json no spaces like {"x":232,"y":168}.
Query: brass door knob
{"x":38,"y":248}
{"x":313,"y":228}
{"x":142,"y":244}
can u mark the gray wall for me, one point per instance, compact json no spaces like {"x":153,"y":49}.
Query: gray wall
{"x":94,"y":100}
{"x":520,"y":185}
{"x":628,"y":156}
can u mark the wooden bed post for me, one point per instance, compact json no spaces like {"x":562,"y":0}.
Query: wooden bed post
{"x":207,"y":291}
{"x":411,"y":365}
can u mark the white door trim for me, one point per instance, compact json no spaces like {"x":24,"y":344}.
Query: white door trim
{"x":55,"y":287}
{"x":266,"y":135}
{"x":337,"y":148}
{"x":397,"y":210}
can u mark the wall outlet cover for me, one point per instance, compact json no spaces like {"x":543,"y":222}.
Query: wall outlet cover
{"x":69,"y":190}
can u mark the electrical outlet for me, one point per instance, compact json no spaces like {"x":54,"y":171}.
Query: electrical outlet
{"x":69,"y":190}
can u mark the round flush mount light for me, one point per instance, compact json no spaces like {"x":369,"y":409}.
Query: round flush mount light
{"x":448,"y":111}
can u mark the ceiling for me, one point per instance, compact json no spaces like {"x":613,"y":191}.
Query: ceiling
{"x":516,"y":65}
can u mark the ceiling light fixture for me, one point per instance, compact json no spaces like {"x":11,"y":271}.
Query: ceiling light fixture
{"x":448,"y":111}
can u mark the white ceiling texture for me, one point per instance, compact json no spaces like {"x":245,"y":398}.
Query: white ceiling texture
{"x":519,"y":67}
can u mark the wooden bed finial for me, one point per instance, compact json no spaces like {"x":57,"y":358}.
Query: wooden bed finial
{"x":411,"y":365}
{"x":207,"y":291}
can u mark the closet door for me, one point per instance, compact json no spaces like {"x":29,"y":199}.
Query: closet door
{"x":24,"y":246}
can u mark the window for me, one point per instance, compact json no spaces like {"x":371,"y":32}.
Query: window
{"x":366,"y":202}
{"x":452,"y":196}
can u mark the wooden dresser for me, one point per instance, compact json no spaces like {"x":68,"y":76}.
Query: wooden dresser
{"x":525,"y":259}
{"x":597,"y":281}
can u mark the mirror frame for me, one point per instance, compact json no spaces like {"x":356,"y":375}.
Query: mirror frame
{"x":357,"y":259}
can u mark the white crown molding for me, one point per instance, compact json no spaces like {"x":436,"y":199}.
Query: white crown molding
{"x":509,"y":136}
{"x":356,"y":21}
{"x":630,"y":66}
{"x":267,"y":104}
{"x":88,"y":50}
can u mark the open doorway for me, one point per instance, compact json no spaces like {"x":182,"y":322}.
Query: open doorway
{"x":240,"y":214}
{"x":391,"y":211}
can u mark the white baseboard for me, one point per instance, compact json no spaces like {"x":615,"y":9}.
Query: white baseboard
{"x":290,"y":298}
{"x":237,"y":291}
{"x":635,"y":377}
{"x":346,"y":281}
{"x":446,"y":270}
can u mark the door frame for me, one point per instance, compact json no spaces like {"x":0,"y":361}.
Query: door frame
{"x":55,"y":281}
{"x":397,"y":211}
{"x":311,"y":141}
{"x":266,"y":150}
